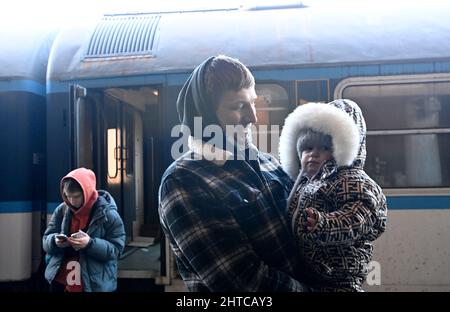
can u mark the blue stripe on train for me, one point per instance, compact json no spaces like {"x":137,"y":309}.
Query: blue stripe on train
{"x":18,"y":207}
{"x":394,"y":203}
{"x":23,"y":85}
{"x":418,"y":202}
{"x":51,"y":207}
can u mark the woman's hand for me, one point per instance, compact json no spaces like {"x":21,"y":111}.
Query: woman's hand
{"x":61,"y":241}
{"x":79,"y":240}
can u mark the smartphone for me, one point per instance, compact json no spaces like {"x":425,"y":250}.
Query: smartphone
{"x":61,"y":236}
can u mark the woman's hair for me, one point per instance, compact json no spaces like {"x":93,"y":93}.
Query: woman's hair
{"x":72,"y":186}
{"x":224,"y":74}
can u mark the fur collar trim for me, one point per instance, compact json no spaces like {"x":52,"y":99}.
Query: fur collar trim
{"x":208,"y":151}
{"x":323,"y":118}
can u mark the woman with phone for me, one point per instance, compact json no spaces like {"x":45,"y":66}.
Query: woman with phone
{"x":84,"y":237}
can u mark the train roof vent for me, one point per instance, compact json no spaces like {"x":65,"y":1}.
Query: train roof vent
{"x":123,"y":36}
{"x":278,"y":6}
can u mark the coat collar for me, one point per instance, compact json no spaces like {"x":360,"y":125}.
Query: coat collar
{"x":218,"y":156}
{"x":208,"y":151}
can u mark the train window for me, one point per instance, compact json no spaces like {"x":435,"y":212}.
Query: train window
{"x":415,"y":160}
{"x":408,"y":128}
{"x":410,"y":106}
{"x":312,"y":91}
{"x":272,"y":107}
{"x":112,"y":150}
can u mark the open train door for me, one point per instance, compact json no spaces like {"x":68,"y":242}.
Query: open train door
{"x":115,"y":132}
{"x":102,"y":134}
{"x":117,"y":129}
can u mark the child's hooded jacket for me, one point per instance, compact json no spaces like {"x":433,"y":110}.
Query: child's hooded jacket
{"x":350,"y":206}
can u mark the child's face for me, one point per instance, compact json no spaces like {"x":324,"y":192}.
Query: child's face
{"x":75,"y":199}
{"x":312,"y":159}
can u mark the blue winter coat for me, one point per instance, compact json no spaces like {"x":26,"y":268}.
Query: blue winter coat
{"x":98,"y":260}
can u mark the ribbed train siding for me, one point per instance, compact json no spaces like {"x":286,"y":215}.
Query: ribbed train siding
{"x":124,"y":35}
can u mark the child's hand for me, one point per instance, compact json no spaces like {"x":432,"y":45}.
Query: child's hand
{"x":311,"y":219}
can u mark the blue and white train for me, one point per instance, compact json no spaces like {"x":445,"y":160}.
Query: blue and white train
{"x":102,"y":95}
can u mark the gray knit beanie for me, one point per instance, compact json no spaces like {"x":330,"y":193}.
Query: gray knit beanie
{"x":308,"y":138}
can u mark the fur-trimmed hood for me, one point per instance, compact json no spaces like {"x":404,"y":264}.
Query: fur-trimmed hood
{"x":341,"y":119}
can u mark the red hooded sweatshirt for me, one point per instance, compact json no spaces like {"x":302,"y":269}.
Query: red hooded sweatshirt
{"x":80,"y":217}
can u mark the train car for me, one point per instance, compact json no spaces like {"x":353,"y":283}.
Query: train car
{"x":113,"y":84}
{"x":110,"y":92}
{"x":23,"y":59}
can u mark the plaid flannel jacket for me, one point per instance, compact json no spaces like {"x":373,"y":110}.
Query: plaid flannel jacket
{"x":226,"y":222}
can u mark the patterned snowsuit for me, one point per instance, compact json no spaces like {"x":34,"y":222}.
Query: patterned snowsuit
{"x":350,"y":206}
